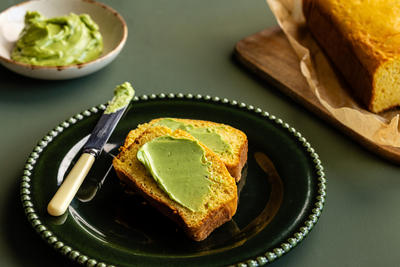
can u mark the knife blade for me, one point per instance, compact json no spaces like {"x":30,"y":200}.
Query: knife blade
{"x":123,"y":95}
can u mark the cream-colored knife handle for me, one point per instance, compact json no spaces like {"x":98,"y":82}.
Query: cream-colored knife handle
{"x":64,"y":195}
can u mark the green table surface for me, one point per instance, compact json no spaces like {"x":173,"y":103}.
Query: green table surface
{"x":180,"y":46}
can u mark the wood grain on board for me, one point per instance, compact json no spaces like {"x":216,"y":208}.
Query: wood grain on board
{"x":270,"y":55}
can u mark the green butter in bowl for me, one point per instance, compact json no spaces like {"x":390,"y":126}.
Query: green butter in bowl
{"x":58,"y":41}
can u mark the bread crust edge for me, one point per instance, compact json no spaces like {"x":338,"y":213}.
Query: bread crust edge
{"x":340,"y":51}
{"x":213,"y":221}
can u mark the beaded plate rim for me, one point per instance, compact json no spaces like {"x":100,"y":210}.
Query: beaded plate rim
{"x":261,"y":260}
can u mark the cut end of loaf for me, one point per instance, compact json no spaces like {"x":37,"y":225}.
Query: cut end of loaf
{"x":386,"y":87}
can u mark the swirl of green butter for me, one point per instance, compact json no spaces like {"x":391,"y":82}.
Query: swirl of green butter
{"x":209,"y":137}
{"x":179,"y":167}
{"x":123,"y":94}
{"x":58,"y":41}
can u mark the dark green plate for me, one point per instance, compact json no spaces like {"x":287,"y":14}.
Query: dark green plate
{"x":104,"y":226}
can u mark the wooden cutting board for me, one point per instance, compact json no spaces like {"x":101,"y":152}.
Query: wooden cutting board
{"x":270,"y":55}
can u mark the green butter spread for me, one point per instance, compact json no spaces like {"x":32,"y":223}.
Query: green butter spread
{"x":58,"y":41}
{"x":179,"y":167}
{"x":209,"y":137}
{"x":123,"y":94}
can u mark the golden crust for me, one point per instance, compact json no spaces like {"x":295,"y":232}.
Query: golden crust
{"x":362,"y":41}
{"x":213,"y":221}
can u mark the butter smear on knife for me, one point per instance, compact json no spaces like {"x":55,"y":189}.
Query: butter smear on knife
{"x":122,"y":96}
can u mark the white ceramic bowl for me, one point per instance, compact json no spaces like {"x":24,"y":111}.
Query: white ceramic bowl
{"x":112,"y":27}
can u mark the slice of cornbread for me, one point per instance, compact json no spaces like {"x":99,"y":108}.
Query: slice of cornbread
{"x":362,"y":39}
{"x":234,"y":161}
{"x":219,"y":205}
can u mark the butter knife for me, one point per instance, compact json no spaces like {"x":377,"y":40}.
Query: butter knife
{"x":123,"y":95}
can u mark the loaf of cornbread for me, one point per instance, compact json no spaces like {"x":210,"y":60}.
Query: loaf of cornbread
{"x":362,"y":39}
{"x":234,"y":161}
{"x":218,"y":206}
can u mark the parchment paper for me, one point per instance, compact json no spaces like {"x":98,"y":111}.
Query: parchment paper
{"x":329,"y":87}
